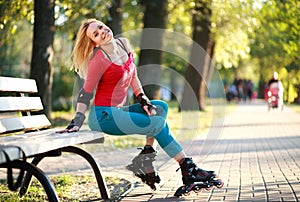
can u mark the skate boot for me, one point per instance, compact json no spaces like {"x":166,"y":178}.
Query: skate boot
{"x":195,"y":179}
{"x":191,"y":173}
{"x":143,"y":168}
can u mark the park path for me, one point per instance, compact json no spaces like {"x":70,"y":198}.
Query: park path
{"x":257,"y":156}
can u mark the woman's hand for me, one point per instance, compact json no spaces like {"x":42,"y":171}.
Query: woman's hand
{"x":75,"y":124}
{"x":150,"y":109}
{"x":145,"y":103}
{"x":69,"y":129}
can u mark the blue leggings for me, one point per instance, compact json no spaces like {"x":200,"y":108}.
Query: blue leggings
{"x":133,"y":120}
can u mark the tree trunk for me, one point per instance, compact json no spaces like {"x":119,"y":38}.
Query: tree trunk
{"x":42,"y":51}
{"x":115,"y":20}
{"x":207,"y":74}
{"x":211,"y":67}
{"x":261,"y":87}
{"x":173,"y":86}
{"x":297,"y":99}
{"x":200,"y":61}
{"x":150,"y":58}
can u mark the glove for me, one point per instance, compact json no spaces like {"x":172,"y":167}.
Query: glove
{"x":146,"y":104}
{"x":75,"y":124}
{"x":77,"y":121}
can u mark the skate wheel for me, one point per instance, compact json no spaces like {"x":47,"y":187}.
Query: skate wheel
{"x":208,"y":187}
{"x":198,"y":190}
{"x":220,"y":183}
{"x":186,"y":194}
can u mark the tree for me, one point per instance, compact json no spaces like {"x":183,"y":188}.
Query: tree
{"x":115,"y":19}
{"x":155,"y":16}
{"x":42,"y":52}
{"x":276,"y":43}
{"x":14,"y":16}
{"x":198,"y":69}
{"x":179,"y":23}
{"x":10,"y":14}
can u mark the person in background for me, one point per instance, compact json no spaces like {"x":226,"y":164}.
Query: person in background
{"x":274,"y":79}
{"x":275,"y":83}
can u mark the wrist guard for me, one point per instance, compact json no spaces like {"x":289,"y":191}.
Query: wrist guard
{"x":84,"y":97}
{"x":77,"y":121}
{"x":144,"y":101}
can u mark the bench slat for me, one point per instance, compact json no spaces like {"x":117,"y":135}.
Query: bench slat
{"x":9,"y":104}
{"x":23,"y":123}
{"x":39,"y":142}
{"x":12,"y":84}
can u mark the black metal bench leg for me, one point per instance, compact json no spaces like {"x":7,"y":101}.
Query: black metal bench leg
{"x":101,"y":183}
{"x":40,"y":176}
{"x":25,"y":184}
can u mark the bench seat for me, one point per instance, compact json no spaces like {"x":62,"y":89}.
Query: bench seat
{"x":24,"y":134}
{"x":47,"y":140}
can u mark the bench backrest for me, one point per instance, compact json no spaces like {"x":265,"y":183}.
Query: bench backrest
{"x":17,"y":101}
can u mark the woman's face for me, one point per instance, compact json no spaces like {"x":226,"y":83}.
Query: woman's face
{"x":99,"y":33}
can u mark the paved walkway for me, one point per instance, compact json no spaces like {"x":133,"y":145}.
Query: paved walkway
{"x":257,"y":155}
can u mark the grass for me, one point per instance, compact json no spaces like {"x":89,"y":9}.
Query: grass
{"x":68,"y":187}
{"x":295,"y":107}
{"x":36,"y":193}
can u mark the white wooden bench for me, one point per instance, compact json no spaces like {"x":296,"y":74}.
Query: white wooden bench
{"x":24,"y":135}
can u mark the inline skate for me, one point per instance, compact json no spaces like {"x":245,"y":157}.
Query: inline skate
{"x":195,"y":179}
{"x":142,"y":167}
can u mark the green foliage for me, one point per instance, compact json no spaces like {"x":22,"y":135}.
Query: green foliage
{"x":70,"y":14}
{"x":276,"y":43}
{"x":277,"y":37}
{"x":63,"y":85}
{"x":232,"y":23}
{"x":132,"y":15}
{"x":11,"y":12}
{"x":179,"y":21}
{"x":255,"y":37}
{"x":15,"y":54}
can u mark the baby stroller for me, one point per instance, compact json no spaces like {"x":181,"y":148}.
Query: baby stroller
{"x":274,"y":96}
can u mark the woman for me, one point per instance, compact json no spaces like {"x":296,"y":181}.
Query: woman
{"x":107,"y":66}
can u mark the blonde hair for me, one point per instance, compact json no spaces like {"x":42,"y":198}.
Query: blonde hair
{"x":83,"y":48}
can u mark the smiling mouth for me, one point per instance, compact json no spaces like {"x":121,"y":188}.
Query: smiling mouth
{"x":105,"y":33}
